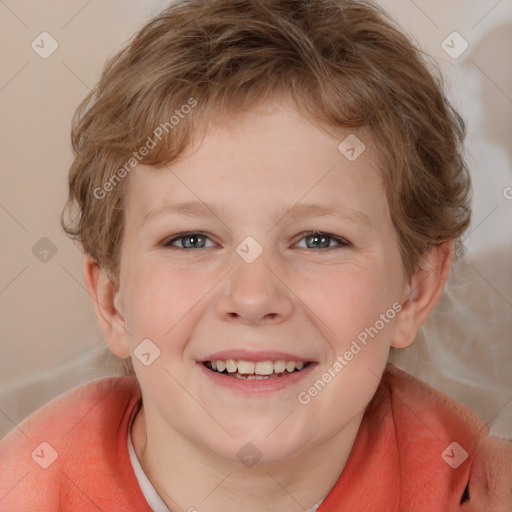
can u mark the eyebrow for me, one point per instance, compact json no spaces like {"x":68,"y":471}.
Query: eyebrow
{"x":296,"y":211}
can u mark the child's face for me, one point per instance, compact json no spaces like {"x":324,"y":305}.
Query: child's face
{"x":301,"y":299}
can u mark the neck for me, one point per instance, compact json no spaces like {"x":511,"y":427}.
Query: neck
{"x":193,"y":479}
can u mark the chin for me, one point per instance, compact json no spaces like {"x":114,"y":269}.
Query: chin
{"x":256,"y":446}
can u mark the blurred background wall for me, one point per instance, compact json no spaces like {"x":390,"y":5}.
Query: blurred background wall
{"x":48,"y":329}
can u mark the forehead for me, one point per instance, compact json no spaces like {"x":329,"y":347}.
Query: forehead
{"x":263,"y":160}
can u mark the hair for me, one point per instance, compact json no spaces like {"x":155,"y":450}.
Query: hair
{"x":346,"y":65}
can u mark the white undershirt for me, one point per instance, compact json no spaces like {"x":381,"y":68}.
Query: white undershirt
{"x":154,"y":501}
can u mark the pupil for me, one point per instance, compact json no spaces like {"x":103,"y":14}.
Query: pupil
{"x":319,"y":239}
{"x":194,"y":239}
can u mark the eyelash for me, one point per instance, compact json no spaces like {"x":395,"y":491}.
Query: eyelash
{"x":341,"y":241}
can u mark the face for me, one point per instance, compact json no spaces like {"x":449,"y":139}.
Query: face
{"x":267,"y":249}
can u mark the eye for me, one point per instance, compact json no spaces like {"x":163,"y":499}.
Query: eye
{"x":197,"y":240}
{"x":319,"y":240}
{"x":188,"y":240}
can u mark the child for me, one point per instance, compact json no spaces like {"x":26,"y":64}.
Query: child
{"x":270,"y":196}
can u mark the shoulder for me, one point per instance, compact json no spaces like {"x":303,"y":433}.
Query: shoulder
{"x":76,"y":410}
{"x":69,"y":444}
{"x":434,"y":429}
{"x":408,"y":393}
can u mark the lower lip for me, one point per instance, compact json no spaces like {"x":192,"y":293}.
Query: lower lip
{"x":256,"y":386}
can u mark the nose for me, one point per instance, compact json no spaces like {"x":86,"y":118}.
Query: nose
{"x":254,"y":294}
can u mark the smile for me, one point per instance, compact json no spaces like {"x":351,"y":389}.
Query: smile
{"x":252,"y":370}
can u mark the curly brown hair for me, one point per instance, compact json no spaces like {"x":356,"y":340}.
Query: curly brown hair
{"x":344,"y":63}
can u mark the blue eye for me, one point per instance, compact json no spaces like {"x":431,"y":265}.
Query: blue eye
{"x":319,"y":240}
{"x":197,"y":240}
{"x":189,"y":240}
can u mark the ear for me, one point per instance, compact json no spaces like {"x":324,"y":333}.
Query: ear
{"x":108,"y":307}
{"x":422,"y":293}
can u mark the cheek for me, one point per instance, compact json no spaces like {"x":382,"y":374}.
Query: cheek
{"x":352,"y":299}
{"x":359,"y":306}
{"x":160,"y":299}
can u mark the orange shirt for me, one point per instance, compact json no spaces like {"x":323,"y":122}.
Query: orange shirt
{"x":416,"y":450}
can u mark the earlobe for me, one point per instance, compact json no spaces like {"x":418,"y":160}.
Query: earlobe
{"x":422,"y":293}
{"x":108,"y":307}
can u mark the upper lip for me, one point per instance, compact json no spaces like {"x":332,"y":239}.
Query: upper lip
{"x":245,"y":355}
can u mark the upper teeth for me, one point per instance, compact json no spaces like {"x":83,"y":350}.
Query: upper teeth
{"x":258,"y":368}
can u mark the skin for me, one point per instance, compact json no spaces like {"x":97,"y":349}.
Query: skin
{"x":293,"y":298}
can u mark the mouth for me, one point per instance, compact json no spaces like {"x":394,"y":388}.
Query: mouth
{"x":255,"y":370}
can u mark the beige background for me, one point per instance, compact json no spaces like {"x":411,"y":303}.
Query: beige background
{"x":49,"y":335}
